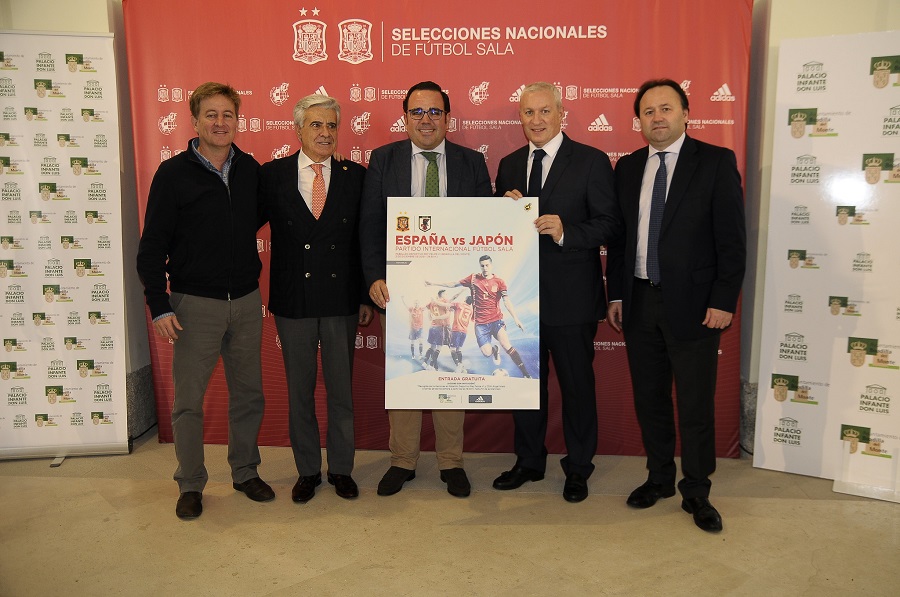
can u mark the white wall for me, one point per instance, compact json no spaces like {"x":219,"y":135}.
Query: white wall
{"x":774,"y":20}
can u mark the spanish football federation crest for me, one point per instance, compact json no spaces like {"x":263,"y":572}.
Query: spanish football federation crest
{"x":356,"y":41}
{"x":402,"y":223}
{"x":479,"y":93}
{"x":279,"y":94}
{"x":167,"y":124}
{"x":309,"y":41}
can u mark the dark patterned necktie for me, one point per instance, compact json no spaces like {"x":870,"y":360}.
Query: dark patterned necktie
{"x":657,"y":207}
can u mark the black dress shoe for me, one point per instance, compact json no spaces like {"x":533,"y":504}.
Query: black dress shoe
{"x":705,"y":516}
{"x":190,"y":505}
{"x":516,"y":477}
{"x":256,"y":489}
{"x":344,"y":486}
{"x":393,"y":480}
{"x":647,"y":494}
{"x":457,"y":482}
{"x":575,"y":489}
{"x":305,"y":488}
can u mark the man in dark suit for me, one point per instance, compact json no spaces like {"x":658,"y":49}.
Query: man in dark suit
{"x":578,"y":214}
{"x":316,"y":291}
{"x":676,"y":275}
{"x":401,"y":169}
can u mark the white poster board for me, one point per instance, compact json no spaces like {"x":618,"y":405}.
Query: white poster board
{"x":62,"y":366}
{"x":441,"y":252}
{"x":829,"y":375}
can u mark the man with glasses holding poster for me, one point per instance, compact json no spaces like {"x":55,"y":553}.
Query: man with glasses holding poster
{"x":425,"y":165}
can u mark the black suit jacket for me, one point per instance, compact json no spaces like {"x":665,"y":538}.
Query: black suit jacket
{"x":315,"y":269}
{"x":390,"y":175}
{"x":580,"y":190}
{"x":702,"y":243}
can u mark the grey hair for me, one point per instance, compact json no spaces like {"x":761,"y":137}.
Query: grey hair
{"x":544,"y":86}
{"x":322,"y":101}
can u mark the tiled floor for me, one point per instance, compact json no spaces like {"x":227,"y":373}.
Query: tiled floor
{"x":105,"y":526}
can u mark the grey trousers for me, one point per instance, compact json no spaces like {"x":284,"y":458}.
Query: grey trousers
{"x":232,"y":329}
{"x":300,"y":343}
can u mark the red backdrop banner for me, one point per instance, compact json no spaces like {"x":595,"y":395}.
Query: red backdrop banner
{"x":367,"y":54}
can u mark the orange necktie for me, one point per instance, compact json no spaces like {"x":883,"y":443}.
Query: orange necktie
{"x":318,"y":195}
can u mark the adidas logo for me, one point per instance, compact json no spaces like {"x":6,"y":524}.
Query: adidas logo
{"x":722,"y":94}
{"x":600,"y":124}
{"x":517,"y":95}
{"x":321,"y":90}
{"x":399,"y":126}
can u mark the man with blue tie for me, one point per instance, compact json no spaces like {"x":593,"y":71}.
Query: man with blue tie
{"x":578,"y":214}
{"x":674,"y":281}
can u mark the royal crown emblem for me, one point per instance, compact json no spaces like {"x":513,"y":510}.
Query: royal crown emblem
{"x":309,"y":41}
{"x":356,"y":41}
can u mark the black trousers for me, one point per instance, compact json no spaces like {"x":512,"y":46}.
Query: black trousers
{"x":656,"y":357}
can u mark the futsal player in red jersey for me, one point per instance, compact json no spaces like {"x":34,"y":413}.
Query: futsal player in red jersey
{"x":487,"y":291}
{"x":416,"y":323}
{"x":462,"y":317}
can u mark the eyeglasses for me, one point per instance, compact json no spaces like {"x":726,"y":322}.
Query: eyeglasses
{"x":419,"y":113}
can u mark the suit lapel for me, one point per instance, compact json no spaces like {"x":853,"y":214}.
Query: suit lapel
{"x":295,"y":206}
{"x":335,"y":189}
{"x":401,"y":169}
{"x":560,"y":163}
{"x":520,"y":171}
{"x":684,"y":171}
{"x":635,"y":180}
{"x":454,"y":169}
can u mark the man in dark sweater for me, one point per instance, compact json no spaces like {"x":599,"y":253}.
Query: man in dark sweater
{"x":200,"y":229}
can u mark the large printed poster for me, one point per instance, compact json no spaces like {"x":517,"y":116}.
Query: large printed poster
{"x":367,"y":55}
{"x":62,"y":365}
{"x":462,"y":324}
{"x":830,"y":362}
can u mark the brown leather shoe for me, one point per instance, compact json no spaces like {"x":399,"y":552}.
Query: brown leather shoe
{"x":344,"y":486}
{"x":190,"y":505}
{"x":305,"y":488}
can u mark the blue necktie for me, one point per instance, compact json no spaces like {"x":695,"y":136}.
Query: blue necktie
{"x":657,"y":207}
{"x":534,"y":179}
